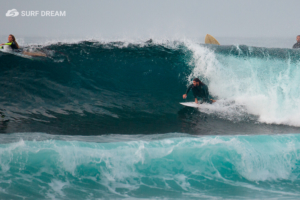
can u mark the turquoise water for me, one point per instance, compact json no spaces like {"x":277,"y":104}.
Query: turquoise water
{"x":150,"y":166}
{"x":102,"y":120}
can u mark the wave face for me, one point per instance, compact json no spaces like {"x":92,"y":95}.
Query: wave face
{"x":155,"y":166}
{"x":98,"y":88}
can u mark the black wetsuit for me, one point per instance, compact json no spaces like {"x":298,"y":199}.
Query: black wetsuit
{"x":200,"y":91}
{"x":297,"y":45}
{"x":13,"y":45}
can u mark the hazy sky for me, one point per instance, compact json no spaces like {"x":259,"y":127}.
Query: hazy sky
{"x":155,"y":18}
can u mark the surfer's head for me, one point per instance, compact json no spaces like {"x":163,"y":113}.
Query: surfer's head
{"x":197,"y":82}
{"x":11,"y":38}
{"x":298,"y":38}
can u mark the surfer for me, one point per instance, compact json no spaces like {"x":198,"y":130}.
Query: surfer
{"x":297,"y":45}
{"x":199,"y":89}
{"x":11,"y":42}
{"x":13,"y":45}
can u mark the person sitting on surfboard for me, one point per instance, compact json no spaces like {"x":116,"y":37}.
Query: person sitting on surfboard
{"x":297,"y":45}
{"x":11,"y":42}
{"x":199,"y":89}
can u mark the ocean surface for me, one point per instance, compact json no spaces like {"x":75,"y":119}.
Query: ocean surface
{"x":102,"y":120}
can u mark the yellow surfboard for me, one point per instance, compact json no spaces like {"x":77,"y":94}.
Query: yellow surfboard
{"x":211,"y":40}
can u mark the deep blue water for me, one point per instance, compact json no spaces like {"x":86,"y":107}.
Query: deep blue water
{"x":103,"y":120}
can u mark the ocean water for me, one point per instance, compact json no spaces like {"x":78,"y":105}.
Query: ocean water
{"x":102,"y":120}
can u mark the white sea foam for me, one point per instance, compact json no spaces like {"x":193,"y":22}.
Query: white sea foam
{"x":182,"y":165}
{"x":265,"y":87}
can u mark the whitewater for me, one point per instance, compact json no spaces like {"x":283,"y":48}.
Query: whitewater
{"x":102,"y":120}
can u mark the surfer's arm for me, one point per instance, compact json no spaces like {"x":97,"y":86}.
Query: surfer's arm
{"x":206,"y":93}
{"x":196,"y":100}
{"x":9,"y":43}
{"x":187,"y":91}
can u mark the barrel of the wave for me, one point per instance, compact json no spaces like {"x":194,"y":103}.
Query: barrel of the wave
{"x":211,"y":40}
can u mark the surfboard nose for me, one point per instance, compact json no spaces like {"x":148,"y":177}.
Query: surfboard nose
{"x":211,"y":40}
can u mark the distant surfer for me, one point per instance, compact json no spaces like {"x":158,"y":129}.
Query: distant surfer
{"x":297,"y":45}
{"x":149,"y":41}
{"x":199,"y":89}
{"x":12,"y":43}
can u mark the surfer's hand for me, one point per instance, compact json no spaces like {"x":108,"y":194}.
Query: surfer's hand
{"x":184,"y":96}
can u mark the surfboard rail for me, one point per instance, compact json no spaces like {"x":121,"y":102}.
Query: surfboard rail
{"x":191,"y":104}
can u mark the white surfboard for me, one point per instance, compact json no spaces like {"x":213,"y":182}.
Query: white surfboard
{"x":191,"y":104}
{"x":15,"y":53}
